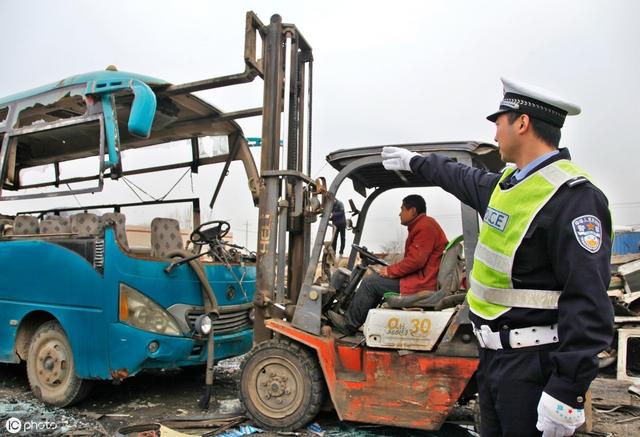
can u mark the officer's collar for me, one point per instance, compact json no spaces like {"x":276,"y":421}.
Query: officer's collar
{"x":522,"y":173}
{"x":562,"y":154}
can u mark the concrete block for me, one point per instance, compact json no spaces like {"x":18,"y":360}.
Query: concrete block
{"x":629,"y":354}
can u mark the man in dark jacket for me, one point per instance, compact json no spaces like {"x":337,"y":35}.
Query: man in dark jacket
{"x":340,"y":222}
{"x":417,"y":271}
{"x":538,"y":297}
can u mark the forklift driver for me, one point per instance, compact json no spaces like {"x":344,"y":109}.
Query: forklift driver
{"x":538,"y":297}
{"x":417,"y":271}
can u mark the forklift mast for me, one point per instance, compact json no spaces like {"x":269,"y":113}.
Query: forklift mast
{"x":286,"y":189}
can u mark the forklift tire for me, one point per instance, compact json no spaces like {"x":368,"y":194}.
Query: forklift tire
{"x":281,"y":385}
{"x":51,"y":368}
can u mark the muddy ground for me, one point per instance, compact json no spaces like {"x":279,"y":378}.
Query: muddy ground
{"x":170,"y":397}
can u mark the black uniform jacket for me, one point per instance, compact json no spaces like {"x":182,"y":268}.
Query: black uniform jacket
{"x":549,"y":258}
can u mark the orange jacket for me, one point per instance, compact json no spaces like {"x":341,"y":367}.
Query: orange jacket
{"x":418,"y":270}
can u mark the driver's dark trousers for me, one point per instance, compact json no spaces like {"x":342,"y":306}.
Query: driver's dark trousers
{"x":368,"y":295}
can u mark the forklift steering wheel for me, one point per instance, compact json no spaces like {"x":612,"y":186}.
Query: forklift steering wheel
{"x":210,"y":232}
{"x":367,"y":256}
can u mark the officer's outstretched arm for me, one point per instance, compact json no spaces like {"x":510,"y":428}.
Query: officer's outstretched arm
{"x":472,"y":186}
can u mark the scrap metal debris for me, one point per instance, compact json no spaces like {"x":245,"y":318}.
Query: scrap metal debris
{"x":242,"y":430}
{"x":52,"y":421}
{"x":316,"y":429}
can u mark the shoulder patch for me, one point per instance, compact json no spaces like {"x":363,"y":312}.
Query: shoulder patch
{"x":588,"y":232}
{"x":579,"y":180}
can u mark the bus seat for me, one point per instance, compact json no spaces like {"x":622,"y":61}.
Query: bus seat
{"x":53,"y":226}
{"x":25,"y":225}
{"x":119,"y":220}
{"x":165,"y":237}
{"x":59,"y":218}
{"x":85,"y":224}
{"x":6,"y":226}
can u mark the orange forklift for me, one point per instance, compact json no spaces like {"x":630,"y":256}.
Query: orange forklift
{"x":416,"y":356}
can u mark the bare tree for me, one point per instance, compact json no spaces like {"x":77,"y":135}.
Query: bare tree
{"x":393,"y":246}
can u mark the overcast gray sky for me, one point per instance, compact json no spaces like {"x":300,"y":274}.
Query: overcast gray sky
{"x":384,"y":73}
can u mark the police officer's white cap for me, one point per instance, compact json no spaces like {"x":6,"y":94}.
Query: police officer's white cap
{"x":535,"y":102}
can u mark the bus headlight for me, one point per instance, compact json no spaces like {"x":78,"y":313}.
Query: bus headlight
{"x":203,"y":324}
{"x":139,"y":311}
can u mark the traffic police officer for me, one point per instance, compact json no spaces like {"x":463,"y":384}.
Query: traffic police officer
{"x":538,"y":294}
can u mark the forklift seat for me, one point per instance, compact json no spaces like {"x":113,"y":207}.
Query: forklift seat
{"x":449,"y":276}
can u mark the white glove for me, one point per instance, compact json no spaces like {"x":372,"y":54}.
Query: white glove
{"x":557,"y":419}
{"x":397,"y":158}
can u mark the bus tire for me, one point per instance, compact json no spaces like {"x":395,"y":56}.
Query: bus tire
{"x":51,"y":368}
{"x":281,"y":385}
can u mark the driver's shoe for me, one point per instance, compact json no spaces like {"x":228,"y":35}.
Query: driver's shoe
{"x":340,"y":323}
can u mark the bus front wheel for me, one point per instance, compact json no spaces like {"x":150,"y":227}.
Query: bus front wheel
{"x":51,"y":369}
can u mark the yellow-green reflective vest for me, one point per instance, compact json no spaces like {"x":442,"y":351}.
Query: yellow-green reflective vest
{"x":508,"y":217}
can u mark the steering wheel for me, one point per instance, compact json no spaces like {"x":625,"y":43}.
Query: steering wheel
{"x":367,"y":256}
{"x":210,"y":232}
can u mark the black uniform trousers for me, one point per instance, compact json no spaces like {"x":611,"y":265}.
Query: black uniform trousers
{"x":340,"y":232}
{"x":369,"y":295}
{"x":510,"y":383}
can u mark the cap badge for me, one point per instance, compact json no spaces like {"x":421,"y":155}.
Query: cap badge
{"x":510,"y":104}
{"x":588,"y":232}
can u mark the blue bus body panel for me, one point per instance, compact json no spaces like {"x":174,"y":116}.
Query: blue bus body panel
{"x":48,"y":277}
{"x":82,"y":79}
{"x":39,"y":275}
{"x":129,"y":351}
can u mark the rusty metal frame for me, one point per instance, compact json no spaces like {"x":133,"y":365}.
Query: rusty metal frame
{"x":195,"y":202}
{"x":253,"y":67}
{"x":115,"y":206}
{"x":308,"y":306}
{"x":233,"y":149}
{"x":13,"y":134}
{"x":284,"y":192}
{"x":362,"y":217}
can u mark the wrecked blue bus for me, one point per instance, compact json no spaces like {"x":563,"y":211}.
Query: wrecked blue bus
{"x":78,"y":303}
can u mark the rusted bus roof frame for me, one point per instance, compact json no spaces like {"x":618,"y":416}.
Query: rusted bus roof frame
{"x":201,"y":124}
{"x":13,"y":137}
{"x":214,"y":119}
